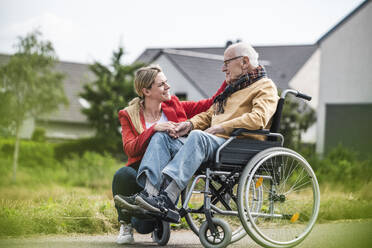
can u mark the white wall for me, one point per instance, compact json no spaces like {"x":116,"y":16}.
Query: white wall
{"x":345,"y":67}
{"x":306,"y":79}
{"x":27,"y":128}
{"x":178,"y":83}
{"x":56,"y":130}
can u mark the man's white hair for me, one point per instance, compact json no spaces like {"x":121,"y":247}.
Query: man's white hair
{"x":245,"y":49}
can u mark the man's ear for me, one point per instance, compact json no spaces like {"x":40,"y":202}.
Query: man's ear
{"x":245,"y":62}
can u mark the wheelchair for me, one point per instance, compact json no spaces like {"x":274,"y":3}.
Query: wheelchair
{"x":252,"y":187}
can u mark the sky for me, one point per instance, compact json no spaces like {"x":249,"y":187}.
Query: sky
{"x":85,"y":31}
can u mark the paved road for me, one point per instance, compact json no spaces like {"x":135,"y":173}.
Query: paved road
{"x":344,"y":234}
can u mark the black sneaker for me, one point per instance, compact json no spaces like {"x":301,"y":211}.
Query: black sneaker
{"x":160,"y":203}
{"x":126,"y":202}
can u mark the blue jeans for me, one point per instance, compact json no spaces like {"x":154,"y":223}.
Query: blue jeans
{"x":177,"y":158}
{"x":124,"y":183}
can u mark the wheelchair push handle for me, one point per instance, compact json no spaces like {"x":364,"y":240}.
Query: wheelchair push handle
{"x":296,"y":94}
{"x":303,"y":96}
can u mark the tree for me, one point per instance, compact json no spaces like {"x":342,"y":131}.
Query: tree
{"x":29,"y":85}
{"x":107,"y":94}
{"x":297,"y":117}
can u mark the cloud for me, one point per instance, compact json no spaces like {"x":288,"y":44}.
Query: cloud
{"x":52,"y":26}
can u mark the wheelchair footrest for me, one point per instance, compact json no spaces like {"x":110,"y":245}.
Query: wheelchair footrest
{"x":169,"y":215}
{"x":172,"y":216}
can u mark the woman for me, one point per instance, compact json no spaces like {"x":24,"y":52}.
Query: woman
{"x":154,"y":110}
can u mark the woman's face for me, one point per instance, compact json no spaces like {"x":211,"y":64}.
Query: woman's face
{"x":159,"y":89}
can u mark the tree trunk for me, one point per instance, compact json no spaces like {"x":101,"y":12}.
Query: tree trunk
{"x":15,"y":154}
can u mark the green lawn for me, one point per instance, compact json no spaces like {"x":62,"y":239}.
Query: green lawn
{"x":75,"y":197}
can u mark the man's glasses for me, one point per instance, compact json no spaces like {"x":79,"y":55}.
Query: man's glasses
{"x":227,"y":61}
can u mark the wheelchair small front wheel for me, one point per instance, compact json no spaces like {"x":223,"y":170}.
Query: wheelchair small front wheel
{"x":161,"y":233}
{"x":227,"y":202}
{"x":220,"y":239}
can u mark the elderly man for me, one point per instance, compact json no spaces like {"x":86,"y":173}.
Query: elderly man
{"x":249,"y":101}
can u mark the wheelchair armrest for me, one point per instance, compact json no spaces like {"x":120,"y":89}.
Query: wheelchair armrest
{"x":266,"y":132}
{"x":239,"y":131}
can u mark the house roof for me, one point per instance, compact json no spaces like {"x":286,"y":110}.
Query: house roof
{"x":76,"y":75}
{"x":344,"y":20}
{"x":198,"y":67}
{"x":202,"y":66}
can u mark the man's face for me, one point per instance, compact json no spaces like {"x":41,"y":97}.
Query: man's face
{"x":232,"y":67}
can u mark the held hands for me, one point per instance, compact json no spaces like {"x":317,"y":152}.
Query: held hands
{"x":165,"y":127}
{"x":176,"y":130}
{"x":183,"y":128}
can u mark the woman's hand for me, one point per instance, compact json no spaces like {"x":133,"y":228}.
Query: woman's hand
{"x":168,"y":127}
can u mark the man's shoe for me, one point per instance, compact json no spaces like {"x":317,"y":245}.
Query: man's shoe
{"x":160,"y":203}
{"x":126,"y":202}
{"x":125,"y":235}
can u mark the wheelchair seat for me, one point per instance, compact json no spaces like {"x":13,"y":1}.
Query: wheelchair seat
{"x":238,"y":152}
{"x":236,"y":155}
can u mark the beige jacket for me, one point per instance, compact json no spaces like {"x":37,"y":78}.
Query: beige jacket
{"x":250,"y":108}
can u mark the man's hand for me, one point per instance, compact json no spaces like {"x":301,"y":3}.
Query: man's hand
{"x":183,"y":128}
{"x":215,"y":130}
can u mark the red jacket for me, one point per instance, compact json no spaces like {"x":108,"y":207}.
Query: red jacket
{"x":135,"y":144}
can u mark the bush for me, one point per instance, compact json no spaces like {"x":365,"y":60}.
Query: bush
{"x":90,"y":170}
{"x":31,"y":154}
{"x":38,"y":135}
{"x":343,"y":166}
{"x":78,"y":147}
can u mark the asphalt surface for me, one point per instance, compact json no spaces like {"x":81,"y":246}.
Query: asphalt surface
{"x":342,"y":234}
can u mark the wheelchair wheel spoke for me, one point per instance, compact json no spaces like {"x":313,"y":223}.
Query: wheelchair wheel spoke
{"x":297,"y":188}
{"x":290,"y":170}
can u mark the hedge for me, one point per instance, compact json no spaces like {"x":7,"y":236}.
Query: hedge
{"x":31,"y":153}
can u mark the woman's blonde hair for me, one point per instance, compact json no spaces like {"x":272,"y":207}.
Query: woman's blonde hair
{"x":144,"y":78}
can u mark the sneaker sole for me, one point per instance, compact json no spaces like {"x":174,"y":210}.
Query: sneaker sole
{"x":123,"y":204}
{"x":141,"y":202}
{"x":125,"y":242}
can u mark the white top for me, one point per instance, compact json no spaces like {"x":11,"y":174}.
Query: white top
{"x":162,"y":119}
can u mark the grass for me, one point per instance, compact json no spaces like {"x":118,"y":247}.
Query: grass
{"x":338,"y":203}
{"x":52,"y":210}
{"x":75,"y":197}
{"x":72,"y":197}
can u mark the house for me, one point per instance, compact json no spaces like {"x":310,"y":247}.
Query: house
{"x":67,"y":122}
{"x":338,"y":76}
{"x":196,"y":73}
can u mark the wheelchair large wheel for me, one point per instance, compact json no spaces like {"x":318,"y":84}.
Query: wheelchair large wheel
{"x":220,"y":239}
{"x":290,"y":198}
{"x":161,"y":234}
{"x":196,"y":219}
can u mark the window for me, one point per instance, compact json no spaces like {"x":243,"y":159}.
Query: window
{"x":182,"y":96}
